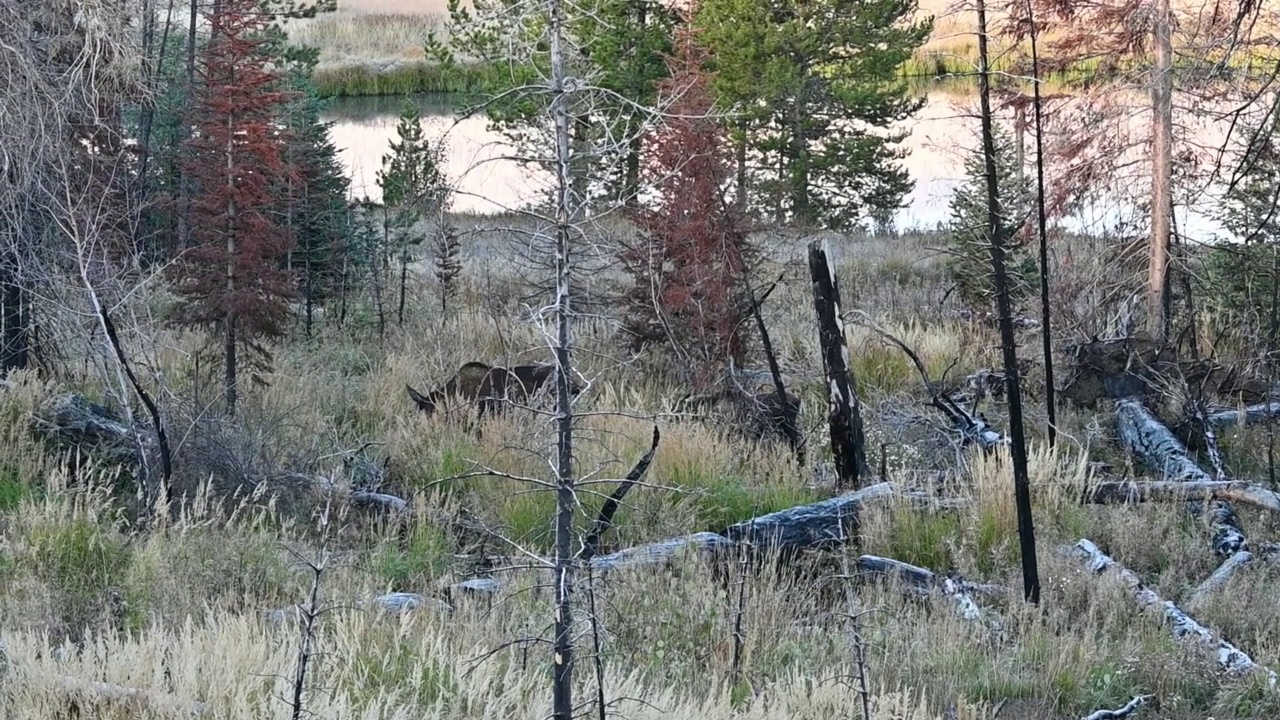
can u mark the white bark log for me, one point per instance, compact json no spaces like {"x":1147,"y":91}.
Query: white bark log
{"x":1129,"y":491}
{"x":1153,"y":443}
{"x":1184,"y":627}
{"x":1129,"y":708}
{"x":924,"y":580}
{"x":1248,"y":416}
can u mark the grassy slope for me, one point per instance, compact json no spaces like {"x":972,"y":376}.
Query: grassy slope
{"x":177,"y":610}
{"x":374,"y":47}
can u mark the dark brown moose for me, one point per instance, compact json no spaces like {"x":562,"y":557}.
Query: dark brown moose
{"x":490,"y":388}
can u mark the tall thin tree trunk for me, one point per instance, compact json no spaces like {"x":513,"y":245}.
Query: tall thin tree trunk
{"x":184,"y":180}
{"x":16,"y":350}
{"x":802,"y":212}
{"x":147,"y":121}
{"x":740,"y":160}
{"x":404,"y":280}
{"x":229,"y":348}
{"x":1008,"y":343}
{"x":1161,"y":173}
{"x":308,"y":290}
{"x":566,"y":495}
{"x":1050,"y":399}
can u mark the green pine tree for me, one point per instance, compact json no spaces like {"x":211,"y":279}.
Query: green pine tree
{"x":617,"y":48}
{"x":970,"y":265}
{"x":1240,"y":277}
{"x":414,"y":189}
{"x":815,"y":86}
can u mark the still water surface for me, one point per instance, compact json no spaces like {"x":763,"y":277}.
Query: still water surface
{"x":489,"y":182}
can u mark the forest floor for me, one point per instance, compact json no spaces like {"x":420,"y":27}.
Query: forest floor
{"x":180,"y":612}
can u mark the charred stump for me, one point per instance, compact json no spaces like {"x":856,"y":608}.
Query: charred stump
{"x":848,"y":443}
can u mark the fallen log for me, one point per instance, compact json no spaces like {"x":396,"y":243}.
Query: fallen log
{"x":72,"y":421}
{"x":119,"y":693}
{"x":1184,"y":627}
{"x":1127,"y":491}
{"x":925,"y":581}
{"x":661,"y":551}
{"x":1262,"y":412}
{"x":1129,"y":708}
{"x":1228,"y":568}
{"x":816,"y":525}
{"x":1147,"y":438}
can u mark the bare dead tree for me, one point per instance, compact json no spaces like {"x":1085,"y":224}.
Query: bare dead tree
{"x":1161,"y":172}
{"x":1008,"y":343}
{"x":81,"y":213}
{"x":1046,"y":323}
{"x":848,"y":443}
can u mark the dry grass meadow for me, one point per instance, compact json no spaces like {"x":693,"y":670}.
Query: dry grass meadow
{"x":90,"y":606}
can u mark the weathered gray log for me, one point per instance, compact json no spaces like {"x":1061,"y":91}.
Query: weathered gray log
{"x":400,"y":602}
{"x":1153,"y":443}
{"x":1126,"y":491}
{"x":815,"y":525}
{"x":923,"y":580}
{"x":72,"y":421}
{"x":478,"y":586}
{"x":1262,"y":412}
{"x":848,"y":442}
{"x":1184,"y":627}
{"x":661,"y":551}
{"x":1220,"y":577}
{"x":121,"y":694}
{"x":1228,"y":568}
{"x":1129,"y":708}
{"x":381,"y":501}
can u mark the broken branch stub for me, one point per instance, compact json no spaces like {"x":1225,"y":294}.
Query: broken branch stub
{"x":848,"y":443}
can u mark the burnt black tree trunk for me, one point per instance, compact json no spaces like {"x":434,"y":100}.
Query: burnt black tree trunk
{"x":15,"y":353}
{"x":1047,"y":338}
{"x":789,"y":428}
{"x":1008,"y":346}
{"x":848,"y":445}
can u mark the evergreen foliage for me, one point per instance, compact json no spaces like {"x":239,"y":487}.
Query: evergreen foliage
{"x":616,"y":46}
{"x":815,"y":86}
{"x":969,"y":268}
{"x":414,"y":188}
{"x":1240,"y":278}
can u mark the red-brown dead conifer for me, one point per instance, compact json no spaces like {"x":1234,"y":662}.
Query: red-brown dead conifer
{"x":690,"y":266}
{"x":232,"y":278}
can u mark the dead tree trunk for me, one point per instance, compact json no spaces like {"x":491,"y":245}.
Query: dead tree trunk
{"x":1147,"y":438}
{"x":1161,"y":172}
{"x":1043,"y":233}
{"x":564,"y":567}
{"x":848,"y":444}
{"x":1008,"y":343}
{"x":1230,"y":658}
{"x":789,"y":422}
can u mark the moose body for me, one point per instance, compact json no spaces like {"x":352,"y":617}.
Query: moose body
{"x":490,"y":388}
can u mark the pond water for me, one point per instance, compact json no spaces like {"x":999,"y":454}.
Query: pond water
{"x":488,"y":181}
